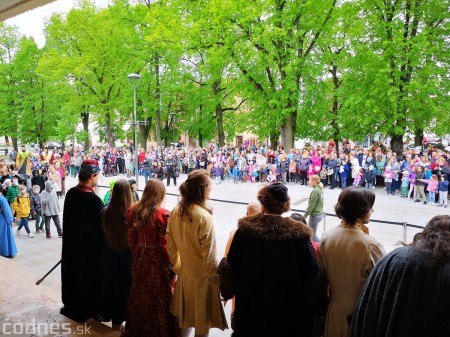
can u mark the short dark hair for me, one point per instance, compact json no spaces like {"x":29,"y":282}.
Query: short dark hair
{"x":353,"y":203}
{"x":271,"y":204}
{"x":298,"y":217}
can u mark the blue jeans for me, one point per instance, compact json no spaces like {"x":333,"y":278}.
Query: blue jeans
{"x":147,"y":175}
{"x":431,"y":197}
{"x":313,"y":222}
{"x":24,"y":223}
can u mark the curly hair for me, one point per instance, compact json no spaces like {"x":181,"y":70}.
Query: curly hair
{"x":271,"y":204}
{"x":435,"y":240}
{"x":353,"y":203}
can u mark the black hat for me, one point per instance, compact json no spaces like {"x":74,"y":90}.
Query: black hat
{"x":279,"y":192}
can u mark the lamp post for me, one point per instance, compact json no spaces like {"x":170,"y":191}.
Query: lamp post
{"x":134,"y":80}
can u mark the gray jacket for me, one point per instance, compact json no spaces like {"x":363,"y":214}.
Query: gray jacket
{"x":49,"y":200}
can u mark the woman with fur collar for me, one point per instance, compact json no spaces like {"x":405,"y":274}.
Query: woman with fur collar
{"x":272,"y":259}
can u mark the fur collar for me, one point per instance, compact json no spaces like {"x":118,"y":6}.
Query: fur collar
{"x":273,"y":227}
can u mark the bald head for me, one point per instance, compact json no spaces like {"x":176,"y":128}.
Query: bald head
{"x":253,"y":208}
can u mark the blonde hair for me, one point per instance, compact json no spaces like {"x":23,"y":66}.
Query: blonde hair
{"x":316,"y":178}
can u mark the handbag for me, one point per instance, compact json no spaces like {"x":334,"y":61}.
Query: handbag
{"x":227,"y":279}
{"x":177,"y":174}
{"x":330,"y":171}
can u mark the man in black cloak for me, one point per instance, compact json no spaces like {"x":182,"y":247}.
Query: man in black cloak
{"x":82,"y":246}
{"x":407,"y":293}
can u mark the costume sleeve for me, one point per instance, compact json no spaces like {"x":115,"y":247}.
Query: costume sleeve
{"x":6,"y":210}
{"x":207,"y":240}
{"x":375,"y":254}
{"x":172,"y":249}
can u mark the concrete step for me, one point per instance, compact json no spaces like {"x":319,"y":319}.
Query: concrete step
{"x":30,"y":310}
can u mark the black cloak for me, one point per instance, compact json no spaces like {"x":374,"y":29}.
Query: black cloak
{"x":272,"y":258}
{"x":404,"y":297}
{"x":81,"y":254}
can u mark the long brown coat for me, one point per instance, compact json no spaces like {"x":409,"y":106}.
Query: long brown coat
{"x":191,"y":246}
{"x":347,"y":256}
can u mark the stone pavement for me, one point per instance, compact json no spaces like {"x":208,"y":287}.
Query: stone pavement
{"x":37,"y":255}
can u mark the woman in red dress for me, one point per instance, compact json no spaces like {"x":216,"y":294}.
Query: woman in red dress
{"x":152,"y":282}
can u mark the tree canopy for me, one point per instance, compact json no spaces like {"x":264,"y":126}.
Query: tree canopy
{"x":281,"y":69}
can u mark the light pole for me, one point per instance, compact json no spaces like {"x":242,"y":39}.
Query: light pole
{"x":134,"y":80}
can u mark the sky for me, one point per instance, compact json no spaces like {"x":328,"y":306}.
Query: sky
{"x":31,"y":23}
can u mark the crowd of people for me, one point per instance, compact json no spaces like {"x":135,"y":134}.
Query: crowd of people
{"x":154,"y":272}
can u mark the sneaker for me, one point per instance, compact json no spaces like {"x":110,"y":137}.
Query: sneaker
{"x":38,"y":231}
{"x":18,"y":232}
{"x":30,"y":235}
{"x":417,"y":200}
{"x":60,"y":235}
{"x":424,"y":202}
{"x":439,"y":205}
{"x":48,"y":236}
{"x":445,"y":206}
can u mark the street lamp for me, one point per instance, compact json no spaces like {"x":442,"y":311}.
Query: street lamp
{"x":134,"y":80}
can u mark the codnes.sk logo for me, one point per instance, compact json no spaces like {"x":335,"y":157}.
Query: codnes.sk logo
{"x":33,"y":327}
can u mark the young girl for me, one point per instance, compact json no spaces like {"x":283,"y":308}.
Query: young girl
{"x":431,"y":188}
{"x":405,"y":184}
{"x":250,"y":171}
{"x":358,"y":178}
{"x":388,"y":176}
{"x":271,"y":177}
{"x":21,"y":206}
{"x":412,"y":183}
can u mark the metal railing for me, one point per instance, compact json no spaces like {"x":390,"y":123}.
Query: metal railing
{"x":405,"y":225}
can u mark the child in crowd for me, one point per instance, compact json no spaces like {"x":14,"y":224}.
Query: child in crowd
{"x":405,"y":184}
{"x":343,"y":173}
{"x":443,"y":191}
{"x":369,"y":178}
{"x":21,"y":206}
{"x":412,"y":183}
{"x":388,"y":176}
{"x":271,"y":177}
{"x":50,"y":208}
{"x":6,"y":185}
{"x":36,"y":209}
{"x":431,"y":188}
{"x":12,"y":193}
{"x":359,"y":178}
{"x":134,"y":192}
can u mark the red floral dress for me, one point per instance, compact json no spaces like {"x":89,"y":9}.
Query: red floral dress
{"x":151,"y":290}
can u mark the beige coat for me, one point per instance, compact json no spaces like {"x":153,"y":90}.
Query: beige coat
{"x":347,"y":256}
{"x":192,"y":251}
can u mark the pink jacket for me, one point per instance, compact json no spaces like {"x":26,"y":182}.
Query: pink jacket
{"x":432,"y":185}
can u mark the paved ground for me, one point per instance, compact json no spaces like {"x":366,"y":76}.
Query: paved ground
{"x":36,"y":256}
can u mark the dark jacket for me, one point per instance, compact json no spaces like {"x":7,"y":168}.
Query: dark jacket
{"x":273,"y":259}
{"x":35,"y":203}
{"x":369,"y":176}
{"x":404,"y":296}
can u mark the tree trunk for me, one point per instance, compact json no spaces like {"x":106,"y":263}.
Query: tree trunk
{"x":219,"y":118}
{"x":288,"y":131}
{"x":158,"y":100}
{"x":397,"y":144}
{"x":274,"y":140}
{"x":14,"y":141}
{"x":109,"y":135}
{"x":85,"y":122}
{"x":418,"y":137}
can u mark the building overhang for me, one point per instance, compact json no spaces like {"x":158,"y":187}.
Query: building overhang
{"x":11,"y":8}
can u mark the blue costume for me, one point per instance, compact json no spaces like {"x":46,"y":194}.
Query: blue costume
{"x":7,"y":243}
